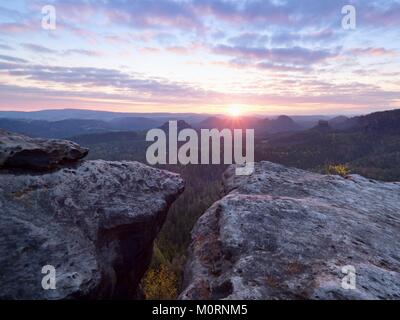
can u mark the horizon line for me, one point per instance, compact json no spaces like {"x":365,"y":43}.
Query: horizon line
{"x":193,"y":113}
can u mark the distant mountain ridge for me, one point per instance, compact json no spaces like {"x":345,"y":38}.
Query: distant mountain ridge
{"x":369,"y":145}
{"x":138,"y":123}
{"x":181,"y":124}
{"x":281,"y":124}
{"x":74,"y":127}
{"x":261,"y":126}
{"x":220,"y":122}
{"x":381,"y":122}
{"x":55,"y":129}
{"x":64,"y":114}
{"x":387,"y":121}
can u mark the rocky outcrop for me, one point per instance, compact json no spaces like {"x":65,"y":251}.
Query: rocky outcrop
{"x":94,"y":222}
{"x":284,"y":233}
{"x":19,"y":151}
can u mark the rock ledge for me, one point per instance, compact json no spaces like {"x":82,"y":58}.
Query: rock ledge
{"x":95,"y":223}
{"x":19,"y":151}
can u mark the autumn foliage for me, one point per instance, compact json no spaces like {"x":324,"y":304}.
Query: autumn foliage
{"x":160,"y":283}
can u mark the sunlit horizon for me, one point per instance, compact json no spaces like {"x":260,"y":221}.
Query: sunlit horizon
{"x":202,"y":57}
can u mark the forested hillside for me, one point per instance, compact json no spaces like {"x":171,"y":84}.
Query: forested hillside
{"x":368,"y":145}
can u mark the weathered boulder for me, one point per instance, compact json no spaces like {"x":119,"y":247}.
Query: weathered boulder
{"x":19,"y":151}
{"x":284,"y":233}
{"x":94,"y":223}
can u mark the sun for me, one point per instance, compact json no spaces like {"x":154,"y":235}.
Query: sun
{"x":234,"y":110}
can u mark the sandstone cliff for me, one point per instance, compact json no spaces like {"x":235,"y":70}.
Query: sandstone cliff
{"x":284,"y":233}
{"x":94,"y":221}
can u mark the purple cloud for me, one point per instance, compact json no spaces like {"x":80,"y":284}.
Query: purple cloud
{"x":98,"y":77}
{"x":42,"y":49}
{"x":292,"y":56}
{"x":38,"y":48}
{"x":12,"y":59}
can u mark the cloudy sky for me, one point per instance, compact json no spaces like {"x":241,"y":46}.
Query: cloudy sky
{"x":266,"y":56}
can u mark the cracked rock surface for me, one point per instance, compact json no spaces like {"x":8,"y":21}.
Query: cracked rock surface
{"x":285,"y":233}
{"x":95,"y":223}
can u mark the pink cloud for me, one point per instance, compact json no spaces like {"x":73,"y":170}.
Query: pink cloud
{"x":375,"y":52}
{"x":23,"y":27}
